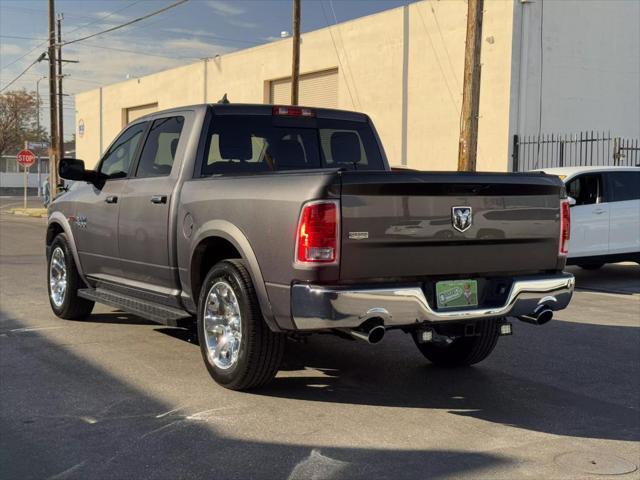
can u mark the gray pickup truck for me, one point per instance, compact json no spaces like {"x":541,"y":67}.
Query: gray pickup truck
{"x":265,"y":222}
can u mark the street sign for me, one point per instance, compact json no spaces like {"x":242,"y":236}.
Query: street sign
{"x":26,"y":158}
{"x":37,"y":145}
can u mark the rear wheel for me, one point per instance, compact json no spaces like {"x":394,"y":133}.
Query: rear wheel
{"x":64,"y":281}
{"x":238,"y":348}
{"x":463,"y":351}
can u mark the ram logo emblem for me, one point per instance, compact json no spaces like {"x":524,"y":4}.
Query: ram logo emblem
{"x":461,"y":218}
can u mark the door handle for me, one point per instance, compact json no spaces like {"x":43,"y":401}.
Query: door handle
{"x":599,"y":211}
{"x":159,"y":199}
{"x":111,"y":199}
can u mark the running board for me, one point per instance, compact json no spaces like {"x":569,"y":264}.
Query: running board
{"x":151,"y":311}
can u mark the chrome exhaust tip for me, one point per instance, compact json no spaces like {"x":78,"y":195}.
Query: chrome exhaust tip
{"x":372,"y":335}
{"x":540,"y":316}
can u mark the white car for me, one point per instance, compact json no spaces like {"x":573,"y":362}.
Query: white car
{"x":605,"y":214}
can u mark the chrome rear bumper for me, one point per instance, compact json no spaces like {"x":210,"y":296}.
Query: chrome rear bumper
{"x":317,"y":307}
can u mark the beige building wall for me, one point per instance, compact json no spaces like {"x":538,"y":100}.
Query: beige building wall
{"x":88,"y":126}
{"x":403,"y":67}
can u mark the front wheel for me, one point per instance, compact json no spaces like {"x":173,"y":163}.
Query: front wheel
{"x":238,"y":348}
{"x":64,"y":281}
{"x":463,"y":351}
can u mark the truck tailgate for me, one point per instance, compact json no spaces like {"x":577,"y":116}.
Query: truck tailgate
{"x":399,"y":224}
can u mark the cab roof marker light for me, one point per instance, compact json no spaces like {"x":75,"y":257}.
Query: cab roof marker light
{"x":293,"y":112}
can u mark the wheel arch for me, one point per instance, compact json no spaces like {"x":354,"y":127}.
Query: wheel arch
{"x":57,"y":224}
{"x":219,"y":240}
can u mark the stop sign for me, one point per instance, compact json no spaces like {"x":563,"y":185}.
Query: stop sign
{"x":26,"y":158}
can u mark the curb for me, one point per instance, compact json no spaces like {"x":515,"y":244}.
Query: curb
{"x":29,"y":212}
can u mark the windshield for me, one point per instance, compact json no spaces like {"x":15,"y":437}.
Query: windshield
{"x":261,"y":143}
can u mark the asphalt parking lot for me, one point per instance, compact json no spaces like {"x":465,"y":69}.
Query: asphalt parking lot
{"x":115,"y":396}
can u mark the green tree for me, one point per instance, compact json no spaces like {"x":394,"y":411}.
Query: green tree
{"x":18,"y":121}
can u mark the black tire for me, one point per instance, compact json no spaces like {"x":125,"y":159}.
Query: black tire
{"x":464,"y":351}
{"x":72,"y":307}
{"x":261,"y":349}
{"x":590,"y":266}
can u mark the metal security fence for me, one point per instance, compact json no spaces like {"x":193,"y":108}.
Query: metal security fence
{"x":583,"y":149}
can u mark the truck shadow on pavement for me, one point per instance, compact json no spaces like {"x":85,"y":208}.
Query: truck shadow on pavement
{"x":64,"y":417}
{"x":542,"y":381}
{"x":565,"y":378}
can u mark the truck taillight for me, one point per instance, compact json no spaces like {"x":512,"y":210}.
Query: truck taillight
{"x":317,"y":238}
{"x":565,"y":227}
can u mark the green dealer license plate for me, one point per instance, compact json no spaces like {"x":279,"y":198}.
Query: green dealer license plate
{"x":457,"y":293}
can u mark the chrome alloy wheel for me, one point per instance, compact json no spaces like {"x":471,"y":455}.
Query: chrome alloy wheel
{"x":222,"y":325}
{"x":57,"y":277}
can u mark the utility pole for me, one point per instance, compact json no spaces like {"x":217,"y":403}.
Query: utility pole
{"x":53,"y":103}
{"x":468,"y":144}
{"x":60,"y":95}
{"x":295,"y":71}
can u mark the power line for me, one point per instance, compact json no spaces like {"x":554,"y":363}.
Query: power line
{"x":346,"y":54}
{"x":126,"y":50}
{"x":41,"y":12}
{"x":22,"y":73}
{"x":22,"y":56}
{"x":104,"y":17}
{"x":335,"y":47}
{"x":22,"y":38}
{"x":435,"y":54}
{"x":444,"y":44}
{"x":117,"y":27}
{"x":47,"y":39}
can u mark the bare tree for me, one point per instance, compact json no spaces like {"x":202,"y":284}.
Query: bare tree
{"x":18,"y":120}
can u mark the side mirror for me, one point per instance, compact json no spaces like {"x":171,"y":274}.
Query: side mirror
{"x":72,"y":169}
{"x":572,"y":201}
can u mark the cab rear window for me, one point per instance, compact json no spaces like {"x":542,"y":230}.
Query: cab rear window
{"x":258,"y":143}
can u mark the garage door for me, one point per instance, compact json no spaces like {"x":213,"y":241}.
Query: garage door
{"x":318,"y":89}
{"x":133,"y":113}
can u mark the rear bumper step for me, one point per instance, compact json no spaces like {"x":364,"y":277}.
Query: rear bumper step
{"x":319,"y":307}
{"x":149,"y":310}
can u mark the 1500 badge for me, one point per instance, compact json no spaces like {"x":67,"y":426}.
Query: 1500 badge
{"x":358,"y":235}
{"x":80,"y":220}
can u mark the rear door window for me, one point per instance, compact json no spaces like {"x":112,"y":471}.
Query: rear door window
{"x":624,"y":186}
{"x":586,"y":189}
{"x":159,"y":151}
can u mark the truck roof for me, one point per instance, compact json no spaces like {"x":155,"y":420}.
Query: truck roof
{"x":262,"y":109}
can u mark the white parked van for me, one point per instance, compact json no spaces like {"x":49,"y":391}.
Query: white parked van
{"x":605,"y":214}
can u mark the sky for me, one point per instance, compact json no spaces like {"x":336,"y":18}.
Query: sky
{"x":182,"y":35}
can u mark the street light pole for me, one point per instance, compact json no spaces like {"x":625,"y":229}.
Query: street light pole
{"x":40,"y":192}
